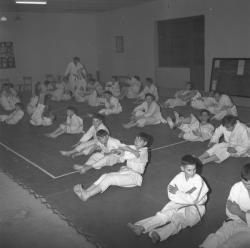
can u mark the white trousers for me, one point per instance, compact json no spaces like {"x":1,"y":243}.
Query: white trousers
{"x":86,"y":147}
{"x":221,"y":238}
{"x":99,"y":160}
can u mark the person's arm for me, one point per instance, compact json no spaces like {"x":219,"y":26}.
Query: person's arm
{"x":217,"y":134}
{"x":235,"y":209}
{"x":133,"y":151}
{"x":243,"y":141}
{"x":151,"y":110}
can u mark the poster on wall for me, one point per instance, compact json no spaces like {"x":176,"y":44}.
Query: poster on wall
{"x":7,"y":56}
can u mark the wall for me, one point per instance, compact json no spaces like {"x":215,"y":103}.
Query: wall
{"x":46,"y":43}
{"x":226,"y":34}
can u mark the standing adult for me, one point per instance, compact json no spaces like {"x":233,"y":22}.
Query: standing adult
{"x":76,"y":74}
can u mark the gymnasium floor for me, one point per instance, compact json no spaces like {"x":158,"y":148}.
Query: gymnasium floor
{"x":34,"y":161}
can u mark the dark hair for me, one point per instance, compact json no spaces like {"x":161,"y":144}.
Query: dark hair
{"x":108,"y":92}
{"x":151,"y":95}
{"x":189,"y":159}
{"x":102,"y":133}
{"x":229,"y":120}
{"x":73,"y":109}
{"x":98,"y":116}
{"x":150,"y":80}
{"x":20,"y":105}
{"x":76,"y":58}
{"x":191,"y":84}
{"x":245,"y":172}
{"x":137,"y":77}
{"x":145,"y":137}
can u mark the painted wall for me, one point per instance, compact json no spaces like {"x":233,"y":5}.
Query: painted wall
{"x":226,"y":35}
{"x":46,"y":43}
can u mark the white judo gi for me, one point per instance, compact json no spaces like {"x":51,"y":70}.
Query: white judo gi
{"x":206,"y":130}
{"x":203,"y":102}
{"x":74,"y":124}
{"x":150,"y":114}
{"x":12,"y":118}
{"x":152,"y":89}
{"x":177,"y":101}
{"x":113,"y":87}
{"x":31,"y":107}
{"x":238,"y":194}
{"x":8,"y":100}
{"x":101,"y":159}
{"x":239,"y":139}
{"x":89,"y":139}
{"x":112,"y":106}
{"x":183,"y":210}
{"x":222,"y":108}
{"x":37,"y":118}
{"x":75,"y":72}
{"x":129,"y":175}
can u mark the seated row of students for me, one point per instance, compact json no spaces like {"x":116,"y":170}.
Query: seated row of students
{"x":8,"y":97}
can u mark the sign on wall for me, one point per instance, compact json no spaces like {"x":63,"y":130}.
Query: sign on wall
{"x":7,"y":56}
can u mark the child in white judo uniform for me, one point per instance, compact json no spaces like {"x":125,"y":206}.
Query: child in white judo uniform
{"x":222,"y":107}
{"x":8,"y":97}
{"x":149,"y":88}
{"x":73,"y":125}
{"x":147,"y":113}
{"x":112,"y":104}
{"x":131,"y":91}
{"x":236,"y":141}
{"x":187,"y":193}
{"x":238,"y":213}
{"x":88,"y":140}
{"x":110,"y":153}
{"x":128,"y":176}
{"x":204,"y":102}
{"x":38,"y":118}
{"x":113,"y":86}
{"x":193,"y":128}
{"x":183,"y":97}
{"x":15,"y":116}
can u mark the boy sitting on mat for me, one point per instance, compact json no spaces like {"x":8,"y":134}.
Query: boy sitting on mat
{"x":14,"y":117}
{"x":73,"y":125}
{"x":187,"y":193}
{"x":193,"y":128}
{"x":110,"y":154}
{"x":238,"y":213}
{"x":128,"y":176}
{"x":236,"y":141}
{"x":88,"y":140}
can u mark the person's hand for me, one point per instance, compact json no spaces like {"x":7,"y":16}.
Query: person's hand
{"x":234,"y":208}
{"x":173,"y":189}
{"x":231,"y":150}
{"x":197,"y":132}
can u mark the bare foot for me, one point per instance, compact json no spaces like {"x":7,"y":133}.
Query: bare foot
{"x":155,"y":237}
{"x":80,"y":192}
{"x":77,"y":167}
{"x":138,"y":230}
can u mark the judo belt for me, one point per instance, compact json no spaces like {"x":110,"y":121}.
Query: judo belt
{"x":195,"y":205}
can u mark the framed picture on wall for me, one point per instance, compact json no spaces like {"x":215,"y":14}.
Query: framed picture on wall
{"x":119,"y":44}
{"x":7,"y":56}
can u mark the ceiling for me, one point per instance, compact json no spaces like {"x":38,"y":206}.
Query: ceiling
{"x":69,"y":5}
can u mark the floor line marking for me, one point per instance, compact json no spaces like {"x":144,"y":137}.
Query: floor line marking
{"x":166,"y":146}
{"x":27,"y":160}
{"x":66,"y":174}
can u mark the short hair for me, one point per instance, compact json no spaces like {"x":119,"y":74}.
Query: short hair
{"x":108,"y":92}
{"x":102,"y":133}
{"x":73,"y":109}
{"x":229,"y":120}
{"x":151,"y":95}
{"x":189,"y":159}
{"x":205,"y":111}
{"x":76,"y":58}
{"x":150,"y":80}
{"x":245,"y":172}
{"x":145,"y":137}
{"x":20,"y":105}
{"x":98,"y":116}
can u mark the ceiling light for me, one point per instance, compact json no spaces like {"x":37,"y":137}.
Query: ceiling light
{"x":31,"y":2}
{"x":3,"y":19}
